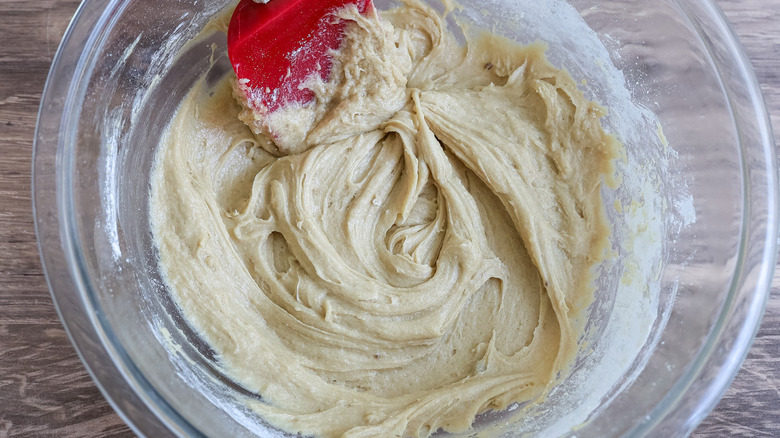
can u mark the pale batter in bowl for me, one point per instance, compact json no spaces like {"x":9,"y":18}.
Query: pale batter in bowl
{"x":414,"y":249}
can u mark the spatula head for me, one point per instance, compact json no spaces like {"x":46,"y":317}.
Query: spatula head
{"x":275,"y":46}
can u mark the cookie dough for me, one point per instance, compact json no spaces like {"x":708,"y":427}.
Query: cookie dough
{"x":416,"y":250}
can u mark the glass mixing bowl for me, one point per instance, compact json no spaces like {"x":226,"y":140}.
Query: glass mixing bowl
{"x":695,"y":220}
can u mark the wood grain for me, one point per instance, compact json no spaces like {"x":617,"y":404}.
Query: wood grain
{"x":45,"y":390}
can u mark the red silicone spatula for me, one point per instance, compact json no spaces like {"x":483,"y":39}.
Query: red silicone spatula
{"x":274,"y":46}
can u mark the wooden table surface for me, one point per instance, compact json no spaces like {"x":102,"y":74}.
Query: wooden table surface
{"x":45,"y":390}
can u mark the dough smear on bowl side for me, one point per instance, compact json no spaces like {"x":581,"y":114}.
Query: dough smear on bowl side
{"x":416,"y":247}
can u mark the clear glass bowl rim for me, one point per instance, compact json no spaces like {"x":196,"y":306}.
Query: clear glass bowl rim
{"x":61,"y":256}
